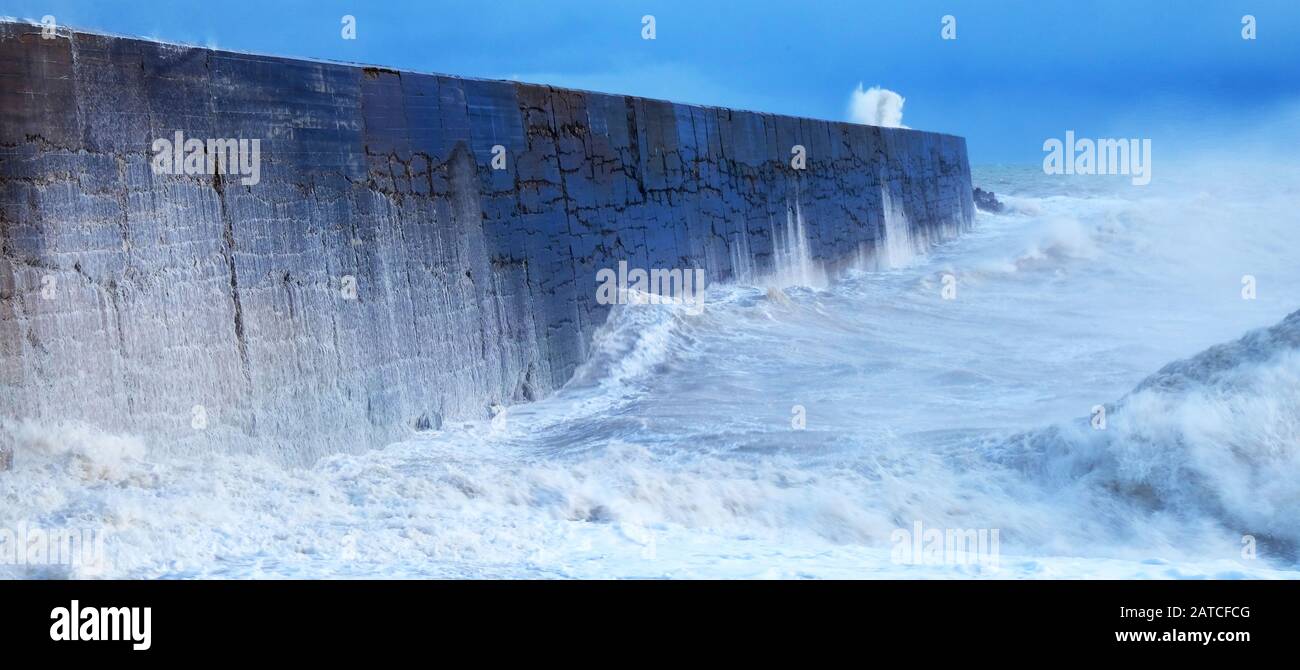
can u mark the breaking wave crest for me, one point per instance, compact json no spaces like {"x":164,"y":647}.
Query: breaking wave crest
{"x":1217,"y":433}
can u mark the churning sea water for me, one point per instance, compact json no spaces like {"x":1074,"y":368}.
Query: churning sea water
{"x":800,"y":425}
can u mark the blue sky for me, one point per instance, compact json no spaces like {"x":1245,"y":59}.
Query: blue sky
{"x":1019,"y":71}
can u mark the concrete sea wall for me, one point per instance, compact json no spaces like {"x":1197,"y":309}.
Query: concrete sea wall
{"x":381,"y":276}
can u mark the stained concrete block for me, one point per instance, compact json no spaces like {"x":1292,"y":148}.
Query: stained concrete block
{"x":128,"y":299}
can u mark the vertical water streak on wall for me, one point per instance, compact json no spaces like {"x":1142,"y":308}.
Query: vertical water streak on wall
{"x":899,"y":247}
{"x":795,"y":265}
{"x":742,"y":261}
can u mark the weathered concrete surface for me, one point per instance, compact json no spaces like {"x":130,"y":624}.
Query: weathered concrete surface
{"x":128,"y":298}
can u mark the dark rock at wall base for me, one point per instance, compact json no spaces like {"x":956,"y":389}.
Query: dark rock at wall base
{"x":381,"y":276}
{"x":987,"y":201}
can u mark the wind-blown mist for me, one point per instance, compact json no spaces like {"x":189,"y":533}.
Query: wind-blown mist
{"x":674,"y":452}
{"x":876,"y":106}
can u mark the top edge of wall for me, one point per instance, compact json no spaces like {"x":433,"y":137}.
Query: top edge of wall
{"x":69,"y":32}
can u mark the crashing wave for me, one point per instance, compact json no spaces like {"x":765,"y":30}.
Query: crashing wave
{"x":1215,"y":434}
